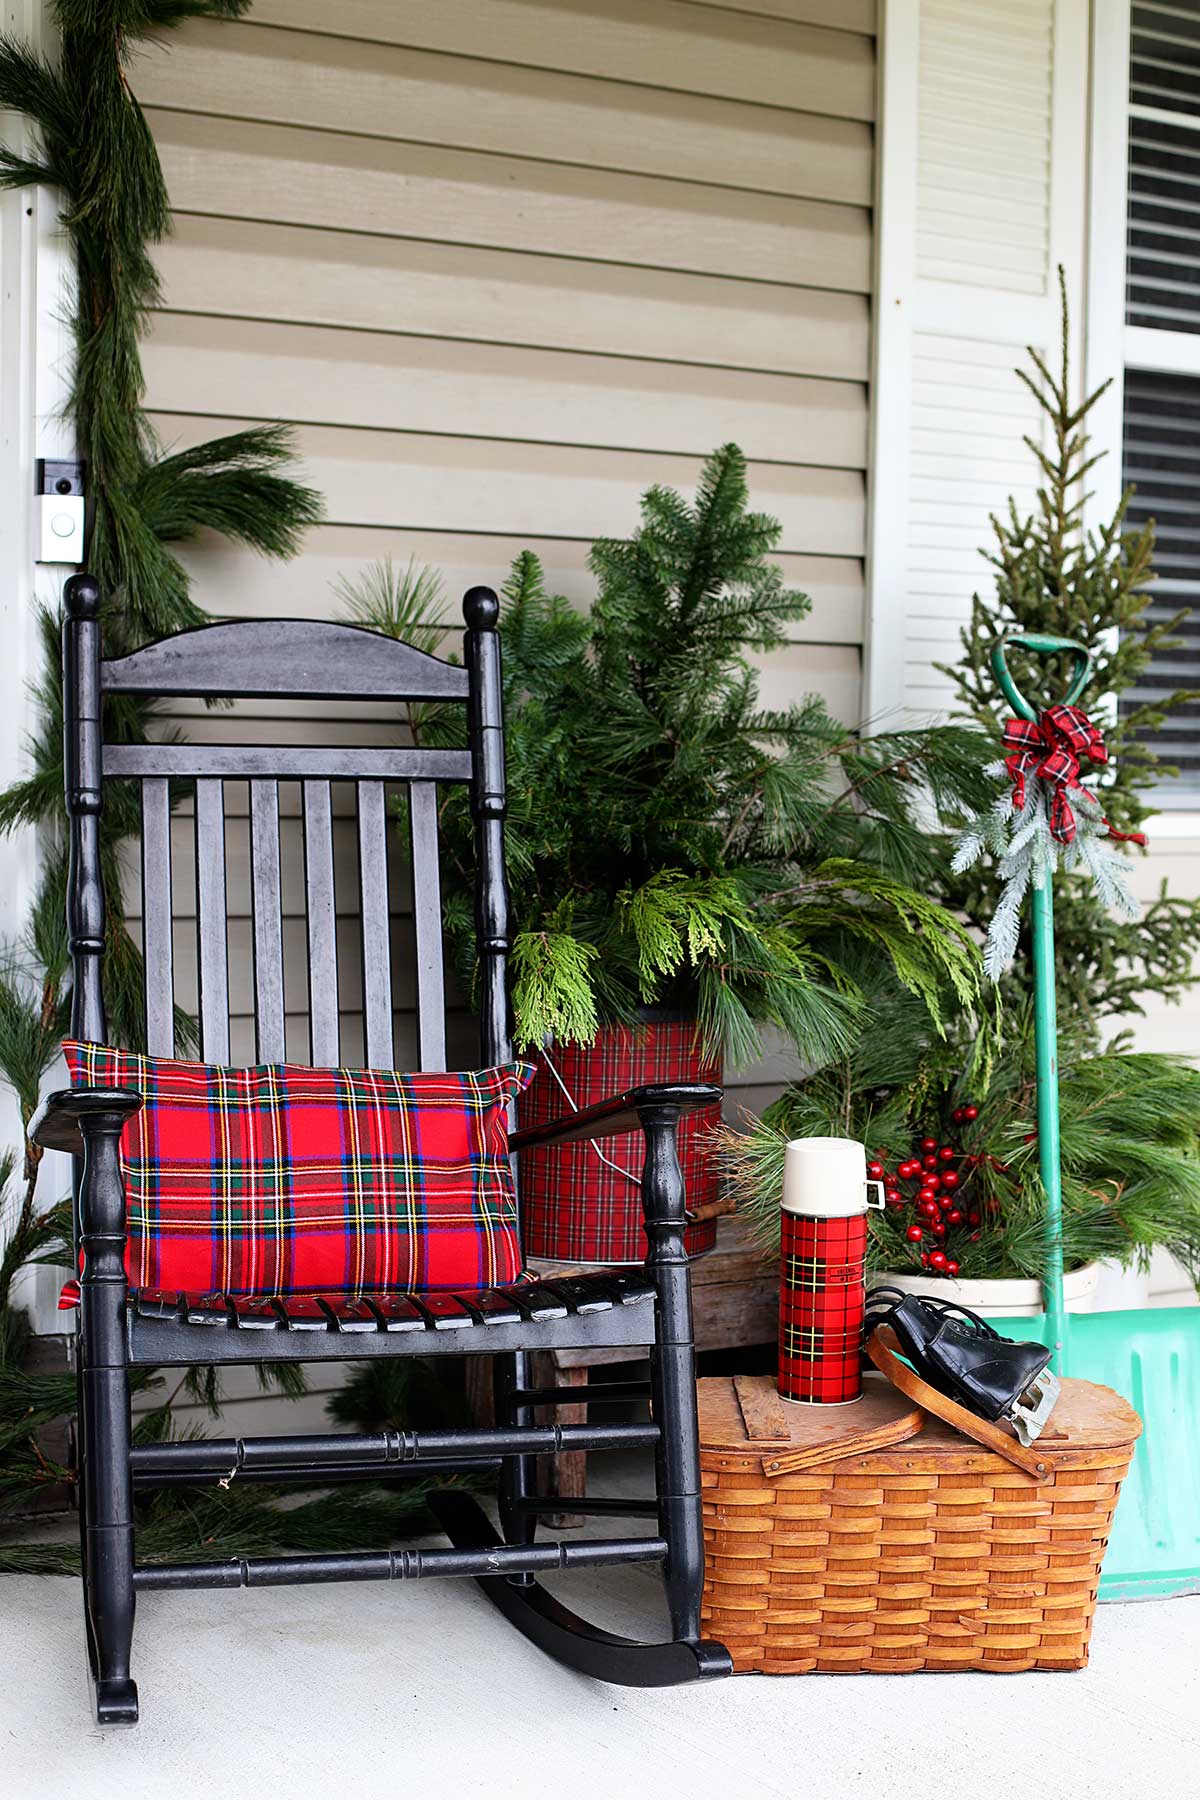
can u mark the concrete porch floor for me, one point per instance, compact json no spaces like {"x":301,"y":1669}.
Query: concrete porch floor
{"x":370,"y":1689}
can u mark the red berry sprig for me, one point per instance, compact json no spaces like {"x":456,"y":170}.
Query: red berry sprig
{"x":930,"y":1181}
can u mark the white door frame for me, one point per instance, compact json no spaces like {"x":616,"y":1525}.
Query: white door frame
{"x":36,"y":360}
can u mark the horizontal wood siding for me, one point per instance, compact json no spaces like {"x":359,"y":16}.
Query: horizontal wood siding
{"x":504,"y":267}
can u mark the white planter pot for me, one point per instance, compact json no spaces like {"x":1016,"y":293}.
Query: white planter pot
{"x":998,"y":1299}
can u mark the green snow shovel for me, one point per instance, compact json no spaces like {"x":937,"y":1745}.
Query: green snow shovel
{"x":1152,"y":1356}
{"x":1045,"y":1011}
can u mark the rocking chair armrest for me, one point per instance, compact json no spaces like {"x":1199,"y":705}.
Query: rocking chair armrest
{"x":56,"y":1123}
{"x":621,"y":1113}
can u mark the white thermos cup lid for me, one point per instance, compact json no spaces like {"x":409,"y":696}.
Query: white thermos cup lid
{"x":825,"y":1177}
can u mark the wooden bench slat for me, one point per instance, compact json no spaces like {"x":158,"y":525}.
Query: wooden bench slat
{"x":212,"y":920}
{"x":157,"y":949}
{"x":376,"y":940}
{"x":324,"y":1031}
{"x":268,"y":920}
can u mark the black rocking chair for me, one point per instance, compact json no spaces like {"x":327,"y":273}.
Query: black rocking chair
{"x":119,"y":1330}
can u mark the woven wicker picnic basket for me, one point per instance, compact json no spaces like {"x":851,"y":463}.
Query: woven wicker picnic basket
{"x":875,"y":1538}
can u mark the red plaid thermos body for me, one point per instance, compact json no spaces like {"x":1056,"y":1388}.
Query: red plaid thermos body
{"x":823,"y":1245}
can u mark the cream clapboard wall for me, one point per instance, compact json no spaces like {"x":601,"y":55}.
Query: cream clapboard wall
{"x":503,"y":265}
{"x":990,"y":126}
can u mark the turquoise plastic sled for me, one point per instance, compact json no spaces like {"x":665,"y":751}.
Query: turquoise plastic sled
{"x":1151,"y":1357}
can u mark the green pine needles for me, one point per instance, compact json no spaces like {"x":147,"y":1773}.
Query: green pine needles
{"x":674,"y":843}
{"x":1052,"y":576}
{"x":1131,"y":1174}
{"x":96,"y":149}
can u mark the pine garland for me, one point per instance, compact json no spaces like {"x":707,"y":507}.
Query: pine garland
{"x":96,"y":149}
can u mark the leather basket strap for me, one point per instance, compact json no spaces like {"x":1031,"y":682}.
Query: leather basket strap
{"x":883,"y":1348}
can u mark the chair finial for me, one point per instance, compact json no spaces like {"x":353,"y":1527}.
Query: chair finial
{"x":481,"y":608}
{"x":82,"y":596}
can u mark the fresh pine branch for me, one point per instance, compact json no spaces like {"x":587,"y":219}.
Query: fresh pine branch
{"x":231,"y":485}
{"x":1130,"y":1143}
{"x":202,"y":1525}
{"x":407,"y":604}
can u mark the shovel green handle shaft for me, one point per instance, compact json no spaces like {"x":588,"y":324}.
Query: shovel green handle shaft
{"x":1045,"y":1033}
{"x":1045,"y":1008}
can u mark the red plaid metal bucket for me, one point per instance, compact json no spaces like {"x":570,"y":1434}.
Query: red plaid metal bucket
{"x":575,"y":1205}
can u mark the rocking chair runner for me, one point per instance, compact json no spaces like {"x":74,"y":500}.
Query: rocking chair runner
{"x":118,"y":1329}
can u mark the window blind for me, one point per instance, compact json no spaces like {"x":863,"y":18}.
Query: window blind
{"x":1161,"y":448}
{"x":1161,"y":458}
{"x":1163,"y":260}
{"x":1163,"y":271}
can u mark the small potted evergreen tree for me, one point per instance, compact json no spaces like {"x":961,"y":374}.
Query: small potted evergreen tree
{"x":687,"y":865}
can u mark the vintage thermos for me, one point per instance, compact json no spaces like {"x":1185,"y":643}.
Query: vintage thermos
{"x":823,"y":1248}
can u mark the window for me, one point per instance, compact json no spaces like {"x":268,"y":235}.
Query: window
{"x":1161,"y":435}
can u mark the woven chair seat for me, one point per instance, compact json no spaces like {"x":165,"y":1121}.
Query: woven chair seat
{"x":581,"y":1298}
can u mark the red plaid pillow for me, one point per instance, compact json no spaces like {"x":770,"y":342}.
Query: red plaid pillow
{"x":282,"y":1179}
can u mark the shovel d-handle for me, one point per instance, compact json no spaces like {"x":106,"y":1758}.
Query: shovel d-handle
{"x":1039,"y":643}
{"x":1045,"y":1006}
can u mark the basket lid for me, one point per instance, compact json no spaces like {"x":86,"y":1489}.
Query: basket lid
{"x":1086,"y":1417}
{"x":745,"y":1413}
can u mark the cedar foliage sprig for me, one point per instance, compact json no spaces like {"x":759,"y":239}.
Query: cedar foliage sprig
{"x":1053,"y":576}
{"x":671,"y":840}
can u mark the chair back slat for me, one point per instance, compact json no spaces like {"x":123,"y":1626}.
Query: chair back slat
{"x":268,"y":920}
{"x":157,"y":957}
{"x":376,"y":936}
{"x":212,"y":920}
{"x":245,"y":885}
{"x":324,"y":1032}
{"x":288,"y":762}
{"x":427,"y":924}
{"x":298,"y":659}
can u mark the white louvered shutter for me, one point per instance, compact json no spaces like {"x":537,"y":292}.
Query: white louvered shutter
{"x":982,"y":194}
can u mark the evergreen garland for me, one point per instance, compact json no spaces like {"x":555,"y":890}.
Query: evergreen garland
{"x":96,"y":149}
{"x":1052,"y":576}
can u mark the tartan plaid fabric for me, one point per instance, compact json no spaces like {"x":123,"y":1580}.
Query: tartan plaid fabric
{"x":821,"y":1305}
{"x":281,"y":1179}
{"x":1052,"y":748}
{"x":574,"y":1206}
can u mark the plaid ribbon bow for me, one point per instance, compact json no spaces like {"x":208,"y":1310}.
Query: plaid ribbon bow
{"x":1053,"y":748}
